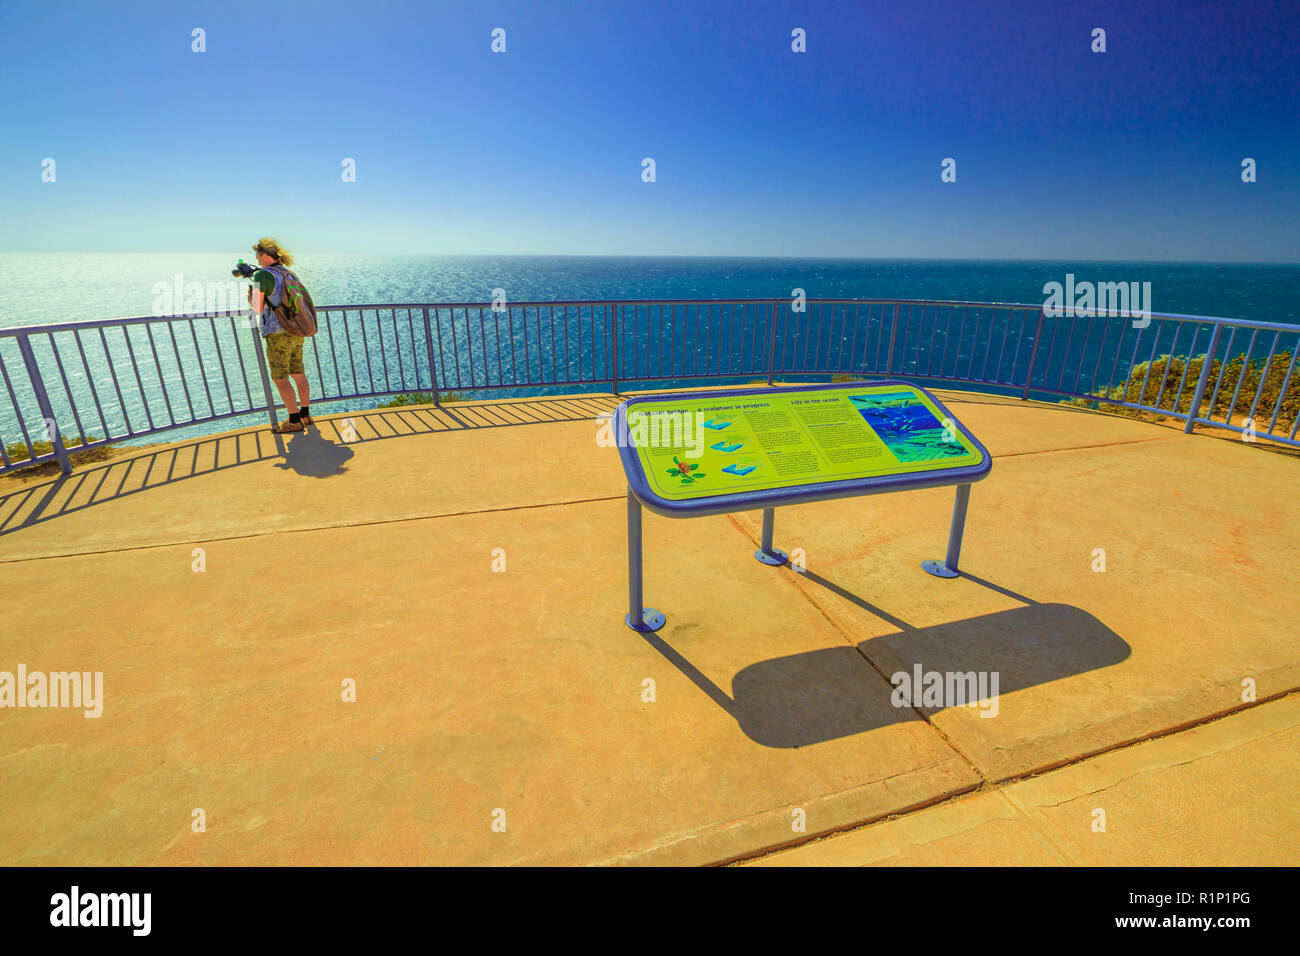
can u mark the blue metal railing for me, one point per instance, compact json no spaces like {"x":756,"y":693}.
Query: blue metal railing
{"x":115,"y":380}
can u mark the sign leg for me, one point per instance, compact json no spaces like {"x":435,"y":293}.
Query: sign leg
{"x":948,"y":567}
{"x":767,"y":554}
{"x":638,"y":618}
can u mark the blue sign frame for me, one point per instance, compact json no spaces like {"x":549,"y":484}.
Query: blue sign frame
{"x":802,"y":494}
{"x":647,"y":619}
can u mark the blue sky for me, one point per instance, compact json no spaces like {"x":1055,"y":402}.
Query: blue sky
{"x":1061,"y":152}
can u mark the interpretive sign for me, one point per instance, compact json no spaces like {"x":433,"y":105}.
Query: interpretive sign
{"x":703,"y":453}
{"x":679,"y":449}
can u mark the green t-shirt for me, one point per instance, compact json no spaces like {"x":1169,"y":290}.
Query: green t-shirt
{"x":265,"y":281}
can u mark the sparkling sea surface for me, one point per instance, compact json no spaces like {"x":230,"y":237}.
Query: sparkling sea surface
{"x":38,"y":288}
{"x":42,"y":288}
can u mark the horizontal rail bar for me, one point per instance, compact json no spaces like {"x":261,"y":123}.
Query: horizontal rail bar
{"x":546,"y":303}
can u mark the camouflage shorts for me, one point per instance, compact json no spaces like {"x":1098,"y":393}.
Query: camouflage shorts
{"x":284,"y":354}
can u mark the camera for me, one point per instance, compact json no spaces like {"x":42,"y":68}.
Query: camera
{"x":243,"y":270}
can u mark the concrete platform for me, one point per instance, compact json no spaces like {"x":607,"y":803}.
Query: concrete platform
{"x":372,"y":552}
{"x":1220,"y":793}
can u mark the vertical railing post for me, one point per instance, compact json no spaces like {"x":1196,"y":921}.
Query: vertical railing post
{"x":893,"y":330}
{"x":266,"y":377}
{"x":266,"y":381}
{"x":1202,"y":379}
{"x":771,"y":343}
{"x":1033,"y":354}
{"x":43,"y":403}
{"x":613,"y":344}
{"x":428,"y":344}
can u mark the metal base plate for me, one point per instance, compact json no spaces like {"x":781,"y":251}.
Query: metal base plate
{"x":651,"y":620}
{"x":940,"y":569}
{"x":775,"y":558}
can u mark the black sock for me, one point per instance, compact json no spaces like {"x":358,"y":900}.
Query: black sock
{"x":305,"y":410}
{"x":296,"y":418}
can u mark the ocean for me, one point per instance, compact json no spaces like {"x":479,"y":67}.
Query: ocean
{"x":39,"y":288}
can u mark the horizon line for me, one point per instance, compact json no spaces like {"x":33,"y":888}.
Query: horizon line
{"x":607,"y":255}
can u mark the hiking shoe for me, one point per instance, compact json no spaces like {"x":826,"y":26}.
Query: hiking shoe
{"x":284,"y":427}
{"x":308,"y":420}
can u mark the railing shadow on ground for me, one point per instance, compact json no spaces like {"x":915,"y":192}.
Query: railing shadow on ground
{"x":321,"y":451}
{"x":817,"y":696}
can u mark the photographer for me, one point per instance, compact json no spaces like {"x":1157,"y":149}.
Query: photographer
{"x":283,"y":350}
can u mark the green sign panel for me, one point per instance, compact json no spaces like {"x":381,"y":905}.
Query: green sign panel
{"x":694,"y":447}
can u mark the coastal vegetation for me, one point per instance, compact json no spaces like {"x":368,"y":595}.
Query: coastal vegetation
{"x":17,"y":452}
{"x":421,"y":398}
{"x":1156,"y":383}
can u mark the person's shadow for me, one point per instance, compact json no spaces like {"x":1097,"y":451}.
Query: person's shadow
{"x":313,"y":455}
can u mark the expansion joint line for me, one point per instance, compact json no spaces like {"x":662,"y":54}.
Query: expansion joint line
{"x":985,"y":782}
{"x":312,"y":528}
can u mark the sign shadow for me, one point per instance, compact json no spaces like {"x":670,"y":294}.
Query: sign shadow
{"x":827,"y":694}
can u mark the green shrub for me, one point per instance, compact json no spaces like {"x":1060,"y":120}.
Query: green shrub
{"x":421,"y":398}
{"x":1167,"y":371}
{"x":17,"y":451}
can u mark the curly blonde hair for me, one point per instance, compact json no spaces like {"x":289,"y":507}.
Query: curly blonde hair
{"x":273,"y":249}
